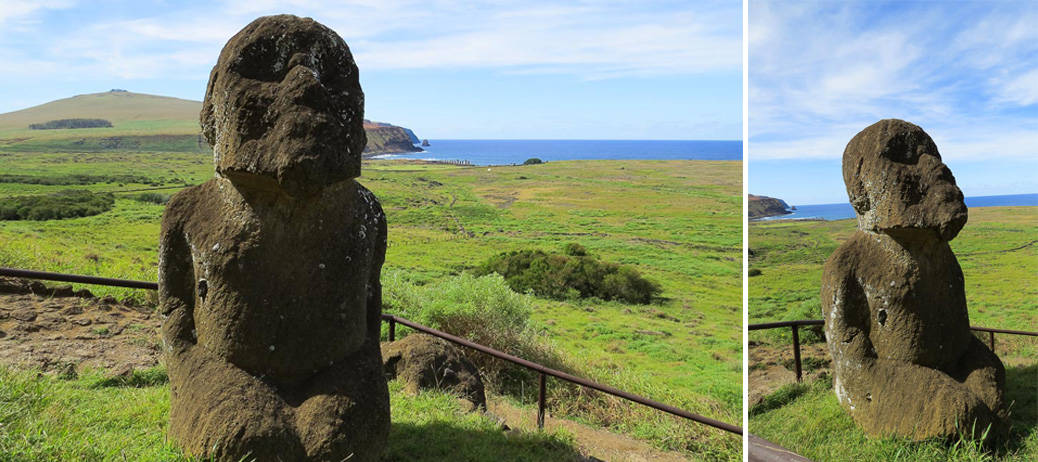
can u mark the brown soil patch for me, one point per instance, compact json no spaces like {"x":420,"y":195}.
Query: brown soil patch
{"x":772,"y":367}
{"x":54,"y":333}
{"x":597,"y":444}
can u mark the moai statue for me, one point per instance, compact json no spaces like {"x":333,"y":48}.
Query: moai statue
{"x":904,"y":360}
{"x":269,"y":272}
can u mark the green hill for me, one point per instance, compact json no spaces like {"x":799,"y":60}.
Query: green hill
{"x":119,"y":107}
{"x":141,"y":122}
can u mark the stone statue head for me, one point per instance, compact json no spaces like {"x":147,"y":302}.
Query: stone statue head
{"x":897,"y":183}
{"x":284,"y":109}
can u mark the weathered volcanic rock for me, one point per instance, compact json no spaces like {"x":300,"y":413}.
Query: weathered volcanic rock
{"x":904,"y":360}
{"x":426,"y":362}
{"x":284,"y":108}
{"x":269,"y":273}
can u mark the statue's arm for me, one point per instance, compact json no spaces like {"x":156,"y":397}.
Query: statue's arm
{"x":176,"y":284}
{"x":374,"y":296}
{"x":845,"y":309}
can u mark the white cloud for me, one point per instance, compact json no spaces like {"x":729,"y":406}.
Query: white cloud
{"x":1020,"y":90}
{"x":18,"y":9}
{"x":821,"y":71}
{"x":589,"y":40}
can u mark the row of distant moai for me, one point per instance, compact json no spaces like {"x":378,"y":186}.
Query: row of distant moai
{"x":269,"y":272}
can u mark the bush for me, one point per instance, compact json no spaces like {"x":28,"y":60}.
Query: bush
{"x":482,"y":309}
{"x":71,"y":123}
{"x":73,"y":179}
{"x":533,"y":161}
{"x":754,"y":272}
{"x":570,"y":276}
{"x":154,"y":198}
{"x":64,"y":204}
{"x":575,"y":250}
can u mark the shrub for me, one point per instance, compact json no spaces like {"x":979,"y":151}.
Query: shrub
{"x":570,"y":276}
{"x":71,"y":123}
{"x":64,"y":204}
{"x":482,"y":309}
{"x":575,"y":250}
{"x":154,"y":198}
{"x":533,"y":161}
{"x":754,"y":272}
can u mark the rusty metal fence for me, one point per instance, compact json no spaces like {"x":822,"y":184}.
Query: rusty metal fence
{"x":543,"y":371}
{"x":795,"y":326}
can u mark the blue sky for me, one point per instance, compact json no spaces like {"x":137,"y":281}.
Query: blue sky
{"x":967,"y":72}
{"x":447,"y":69}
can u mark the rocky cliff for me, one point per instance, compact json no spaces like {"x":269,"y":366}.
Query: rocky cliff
{"x":764,"y":206}
{"x":384,"y":138}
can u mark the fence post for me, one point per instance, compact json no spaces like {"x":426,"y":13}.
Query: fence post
{"x":796,"y":350}
{"x":992,"y":341}
{"x":392,"y":329}
{"x":540,"y":403}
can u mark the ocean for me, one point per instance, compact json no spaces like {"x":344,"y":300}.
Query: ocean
{"x":507,"y":152}
{"x":844,"y":210}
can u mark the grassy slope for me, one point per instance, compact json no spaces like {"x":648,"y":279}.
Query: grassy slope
{"x":1001,"y":273}
{"x":43,"y":418}
{"x":678,"y":222}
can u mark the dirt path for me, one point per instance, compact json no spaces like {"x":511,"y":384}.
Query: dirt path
{"x":68,"y":332}
{"x":596,"y":443}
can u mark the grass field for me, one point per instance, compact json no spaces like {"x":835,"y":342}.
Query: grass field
{"x":999,"y":260}
{"x":44,"y":418}
{"x":677,"y":222}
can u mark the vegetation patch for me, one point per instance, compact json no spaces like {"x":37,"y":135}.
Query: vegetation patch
{"x":73,"y":179}
{"x":151,"y":198}
{"x":71,"y":123}
{"x":574,"y":274}
{"x":64,"y":204}
{"x":482,"y":309}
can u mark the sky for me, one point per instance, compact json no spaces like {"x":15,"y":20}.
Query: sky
{"x":820,"y":72}
{"x":524,"y":69}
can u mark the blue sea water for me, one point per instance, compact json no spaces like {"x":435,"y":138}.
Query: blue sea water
{"x":506,"y":152}
{"x":844,"y":210}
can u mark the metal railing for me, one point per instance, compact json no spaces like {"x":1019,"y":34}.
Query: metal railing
{"x":795,"y":326}
{"x":543,"y":371}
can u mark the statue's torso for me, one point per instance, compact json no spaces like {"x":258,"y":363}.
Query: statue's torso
{"x":285,"y":284}
{"x":915,"y":297}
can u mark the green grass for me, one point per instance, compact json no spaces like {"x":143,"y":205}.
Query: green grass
{"x":91,"y":418}
{"x":806,"y":418}
{"x":677,"y":222}
{"x":1000,"y":266}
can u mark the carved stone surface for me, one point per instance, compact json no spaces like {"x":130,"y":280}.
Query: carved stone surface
{"x":904,"y":360}
{"x":269,"y":273}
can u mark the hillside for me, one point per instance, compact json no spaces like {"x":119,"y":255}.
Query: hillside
{"x":764,"y":206}
{"x":384,"y":138}
{"x":142,"y":122}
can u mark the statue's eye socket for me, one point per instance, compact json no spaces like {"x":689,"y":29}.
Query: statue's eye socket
{"x":260,"y":60}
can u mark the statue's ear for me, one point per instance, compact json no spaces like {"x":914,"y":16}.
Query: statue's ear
{"x":207,"y":118}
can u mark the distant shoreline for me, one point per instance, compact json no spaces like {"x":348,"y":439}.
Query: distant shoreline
{"x":844,"y":211}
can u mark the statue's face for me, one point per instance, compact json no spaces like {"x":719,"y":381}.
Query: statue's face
{"x":920,"y":196}
{"x":284,"y":108}
{"x":898,"y":184}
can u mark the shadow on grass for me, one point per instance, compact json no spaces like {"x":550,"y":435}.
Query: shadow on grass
{"x":1022,"y":399}
{"x":439,"y":441}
